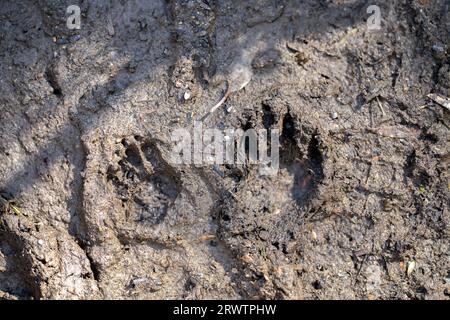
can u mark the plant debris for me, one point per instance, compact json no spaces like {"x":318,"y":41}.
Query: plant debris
{"x":9,"y":205}
{"x":441,"y":100}
{"x":239,"y":77}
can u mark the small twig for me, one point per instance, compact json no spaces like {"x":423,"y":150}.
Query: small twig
{"x":366,"y":256}
{"x":222,"y":101}
{"x":239,"y":77}
{"x":442,"y":101}
{"x":381,"y":106}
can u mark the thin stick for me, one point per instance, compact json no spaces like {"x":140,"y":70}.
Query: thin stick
{"x":443,"y":101}
{"x":381,"y":106}
{"x":222,"y":101}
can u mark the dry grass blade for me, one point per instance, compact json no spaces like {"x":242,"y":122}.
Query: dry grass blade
{"x":9,"y":205}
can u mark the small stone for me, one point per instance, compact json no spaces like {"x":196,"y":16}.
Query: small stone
{"x":187,"y":95}
{"x":247,"y":258}
{"x":41,"y":242}
{"x":438,"y":48}
{"x":411,"y":267}
{"x":334,"y":116}
{"x":62,"y":41}
{"x":137,"y":281}
{"x":74,"y":38}
{"x":439,"y":51}
{"x":26,"y":99}
{"x":264,"y":235}
{"x":230,"y":109}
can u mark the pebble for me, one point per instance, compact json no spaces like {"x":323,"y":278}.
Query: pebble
{"x":187,"y":95}
{"x":334,"y":115}
{"x":26,"y":99}
{"x":439,"y":51}
{"x":137,"y":281}
{"x":74,"y":38}
{"x":438,"y":48}
{"x":247,"y":258}
{"x":62,"y":41}
{"x":40,"y":242}
{"x":410,"y":269}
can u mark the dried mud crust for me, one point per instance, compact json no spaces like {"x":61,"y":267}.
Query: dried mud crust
{"x":358,"y":210}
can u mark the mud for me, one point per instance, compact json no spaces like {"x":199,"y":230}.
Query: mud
{"x":358,"y":210}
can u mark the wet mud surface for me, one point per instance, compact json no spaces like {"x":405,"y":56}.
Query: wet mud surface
{"x":359,"y":208}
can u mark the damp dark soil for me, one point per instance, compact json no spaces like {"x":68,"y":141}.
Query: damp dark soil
{"x":359,"y":208}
